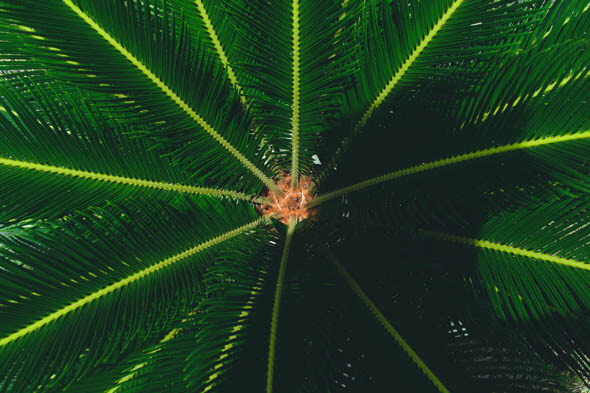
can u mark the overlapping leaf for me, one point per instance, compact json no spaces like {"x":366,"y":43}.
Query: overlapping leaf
{"x":85,"y":291}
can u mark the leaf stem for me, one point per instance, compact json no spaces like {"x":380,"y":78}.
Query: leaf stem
{"x":490,"y":245}
{"x":129,"y":280}
{"x":384,"y":322}
{"x":219,"y":49}
{"x":130,"y":181}
{"x":448,"y":161}
{"x":277,"y":302}
{"x":295,"y":104}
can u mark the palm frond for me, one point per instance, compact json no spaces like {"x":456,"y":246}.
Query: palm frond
{"x":105,"y":55}
{"x":386,"y":324}
{"x":555,"y":56}
{"x":523,"y":269}
{"x":112,"y":258}
{"x":232,"y":325}
{"x":508,"y":161}
{"x":208,"y":21}
{"x":297,"y":64}
{"x":405,"y":45}
{"x":55,"y":141}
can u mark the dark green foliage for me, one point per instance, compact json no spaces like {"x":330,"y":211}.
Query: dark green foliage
{"x":450,"y":248}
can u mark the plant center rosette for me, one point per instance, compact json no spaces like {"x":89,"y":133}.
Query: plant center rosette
{"x":293,"y":201}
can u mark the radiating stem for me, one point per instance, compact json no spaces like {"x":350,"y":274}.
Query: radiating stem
{"x":505,"y":248}
{"x":129,"y":181}
{"x":277,"y":302}
{"x":42,"y":322}
{"x":449,"y":161}
{"x":295,"y":118}
{"x":384,"y":322}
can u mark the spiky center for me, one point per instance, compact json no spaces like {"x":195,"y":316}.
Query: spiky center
{"x":292,"y":202}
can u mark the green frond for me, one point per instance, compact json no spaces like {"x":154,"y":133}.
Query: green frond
{"x":426,"y":288}
{"x":151,"y":369}
{"x":55,"y":140}
{"x":532,"y":264}
{"x":130,"y":374}
{"x":503,"y":163}
{"x":405,"y":46}
{"x":526,"y":246}
{"x":296,"y":66}
{"x":449,"y":161}
{"x":104,"y":56}
{"x":217,"y":326}
{"x":553,"y":71}
{"x":232,"y":326}
{"x":112,"y":258}
{"x":208,"y":21}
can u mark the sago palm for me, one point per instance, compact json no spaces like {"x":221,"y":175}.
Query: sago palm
{"x":294,"y":196}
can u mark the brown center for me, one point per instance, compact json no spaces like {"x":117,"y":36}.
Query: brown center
{"x":292,"y":202}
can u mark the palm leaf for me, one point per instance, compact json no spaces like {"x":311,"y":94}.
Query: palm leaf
{"x":78,"y":149}
{"x":99,"y":279}
{"x":296,"y":67}
{"x":104,"y":56}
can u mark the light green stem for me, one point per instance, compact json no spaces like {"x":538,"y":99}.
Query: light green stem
{"x":277,"y":302}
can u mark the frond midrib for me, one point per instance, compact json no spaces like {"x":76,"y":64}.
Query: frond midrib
{"x":129,"y":280}
{"x":295,"y":97}
{"x":129,"y":181}
{"x":220,"y":51}
{"x":174,"y":97}
{"x":503,"y":248}
{"x":367,"y":302}
{"x":448,"y":161}
{"x":277,"y":303}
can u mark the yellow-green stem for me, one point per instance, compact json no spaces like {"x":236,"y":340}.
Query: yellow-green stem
{"x":128,"y":280}
{"x":277,"y":302}
{"x":449,"y":161}
{"x":295,"y":94}
{"x":490,"y":245}
{"x":130,"y":181}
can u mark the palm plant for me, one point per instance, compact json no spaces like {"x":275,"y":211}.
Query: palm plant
{"x":281,"y":196}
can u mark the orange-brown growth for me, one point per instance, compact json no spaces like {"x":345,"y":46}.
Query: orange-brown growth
{"x":293,"y":201}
